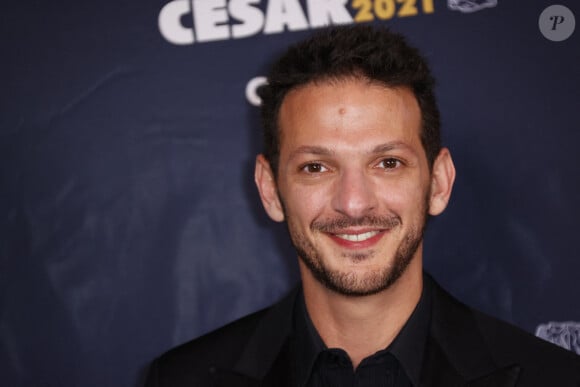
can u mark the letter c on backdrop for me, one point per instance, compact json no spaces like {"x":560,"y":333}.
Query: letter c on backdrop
{"x":170,"y":22}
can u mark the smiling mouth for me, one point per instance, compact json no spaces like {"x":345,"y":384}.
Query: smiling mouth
{"x":358,"y":237}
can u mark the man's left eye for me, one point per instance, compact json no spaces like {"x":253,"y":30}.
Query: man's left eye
{"x":389,"y":163}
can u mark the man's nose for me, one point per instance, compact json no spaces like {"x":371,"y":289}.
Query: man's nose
{"x":354,"y":194}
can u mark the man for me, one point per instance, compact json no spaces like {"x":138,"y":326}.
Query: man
{"x":353,"y":164}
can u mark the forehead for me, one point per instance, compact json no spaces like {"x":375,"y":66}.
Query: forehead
{"x":349,"y":112}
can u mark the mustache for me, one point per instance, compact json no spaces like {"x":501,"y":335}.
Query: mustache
{"x":337,"y":224}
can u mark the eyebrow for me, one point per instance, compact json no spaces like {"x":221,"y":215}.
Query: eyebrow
{"x":390,"y":146}
{"x":323,"y":151}
{"x":311,"y":150}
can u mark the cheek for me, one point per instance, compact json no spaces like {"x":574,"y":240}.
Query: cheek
{"x":393,"y":201}
{"x":403,"y":196}
{"x":306,"y":204}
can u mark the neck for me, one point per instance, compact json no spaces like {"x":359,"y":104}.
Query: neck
{"x":362,"y":325}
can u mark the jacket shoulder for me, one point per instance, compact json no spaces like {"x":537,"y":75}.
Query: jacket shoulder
{"x":510,"y":344}
{"x":477,"y":343}
{"x":193,"y":362}
{"x":235,"y":354}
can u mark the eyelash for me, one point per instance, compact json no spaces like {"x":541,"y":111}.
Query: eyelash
{"x":306,"y":167}
{"x":390,"y":160}
{"x":320,"y":168}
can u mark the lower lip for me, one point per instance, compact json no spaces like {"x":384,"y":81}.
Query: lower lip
{"x":359,"y":244}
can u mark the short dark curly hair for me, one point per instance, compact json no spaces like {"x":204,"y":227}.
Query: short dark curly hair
{"x":359,"y":51}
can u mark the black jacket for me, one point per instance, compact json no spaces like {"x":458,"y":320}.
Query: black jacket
{"x":465,"y":348}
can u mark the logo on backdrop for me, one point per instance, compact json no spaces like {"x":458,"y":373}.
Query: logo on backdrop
{"x":468,"y":6}
{"x":564,"y":334}
{"x":252,"y":90}
{"x":184,"y":22}
{"x":557,"y":23}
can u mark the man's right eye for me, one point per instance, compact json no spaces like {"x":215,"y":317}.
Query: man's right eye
{"x":314,"y":168}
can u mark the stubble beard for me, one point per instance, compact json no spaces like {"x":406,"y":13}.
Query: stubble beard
{"x":349,"y":283}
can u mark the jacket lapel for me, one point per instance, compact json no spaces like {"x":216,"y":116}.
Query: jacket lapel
{"x":503,"y":377}
{"x":229,"y":378}
{"x":267,"y":358}
{"x":457,"y":354}
{"x":439,"y":371}
{"x":282,"y":374}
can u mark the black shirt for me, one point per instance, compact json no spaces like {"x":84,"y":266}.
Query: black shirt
{"x":397,"y":365}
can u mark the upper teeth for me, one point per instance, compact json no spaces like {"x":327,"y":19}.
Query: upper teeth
{"x":358,"y":237}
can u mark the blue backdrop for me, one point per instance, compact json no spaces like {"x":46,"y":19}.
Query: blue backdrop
{"x":129,"y":222}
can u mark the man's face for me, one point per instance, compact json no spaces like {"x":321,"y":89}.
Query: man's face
{"x":353,"y":182}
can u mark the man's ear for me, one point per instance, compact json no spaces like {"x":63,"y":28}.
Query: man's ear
{"x":442,"y":178}
{"x":267,"y":187}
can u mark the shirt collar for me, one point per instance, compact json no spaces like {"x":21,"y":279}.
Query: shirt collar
{"x":408,"y":347}
{"x":308,"y":341}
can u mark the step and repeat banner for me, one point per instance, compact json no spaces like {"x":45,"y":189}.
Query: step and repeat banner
{"x":129,"y":220}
